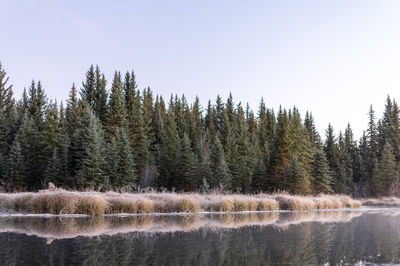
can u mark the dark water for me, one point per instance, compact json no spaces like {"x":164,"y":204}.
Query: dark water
{"x":340,"y":237}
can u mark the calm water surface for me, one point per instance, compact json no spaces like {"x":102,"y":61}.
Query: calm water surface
{"x":296,"y":238}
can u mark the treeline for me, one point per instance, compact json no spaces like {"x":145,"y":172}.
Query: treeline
{"x":124,"y":137}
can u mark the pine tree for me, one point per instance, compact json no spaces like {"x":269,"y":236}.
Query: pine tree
{"x":6,"y":93}
{"x":261,"y":180}
{"x":242,"y":181}
{"x":186,"y":179}
{"x":120,"y":170}
{"x":28,"y":139}
{"x":117,"y":110}
{"x":16,"y":169}
{"x":170,"y":152}
{"x":353,"y":154}
{"x":72,"y":112}
{"x":148,"y":113}
{"x":51,"y":135}
{"x":387,"y":168}
{"x":209,"y":120}
{"x":313,"y":135}
{"x":322,"y":179}
{"x":229,"y":143}
{"x":136,"y":126}
{"x":196,"y":125}
{"x":100,"y":96}
{"x":331,"y":150}
{"x":281,"y":155}
{"x":262,"y":122}
{"x":301,"y":146}
{"x":219,"y":167}
{"x":344,"y":173}
{"x":51,"y":139}
{"x":88,"y":91}
{"x":219,"y":114}
{"x":374,"y":185}
{"x":297,"y":182}
{"x":8,"y":120}
{"x":37,"y":102}
{"x":53,"y":170}
{"x":90,"y":172}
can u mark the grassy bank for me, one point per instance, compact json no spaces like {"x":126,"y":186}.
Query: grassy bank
{"x":71,"y":202}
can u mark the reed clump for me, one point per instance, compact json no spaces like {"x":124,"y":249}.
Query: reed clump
{"x":59,"y":201}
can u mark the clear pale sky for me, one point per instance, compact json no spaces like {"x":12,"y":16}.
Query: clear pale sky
{"x":333,"y":58}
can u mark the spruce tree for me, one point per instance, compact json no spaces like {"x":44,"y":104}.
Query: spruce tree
{"x":344,"y":174}
{"x":100,"y":96}
{"x":375,"y":186}
{"x":219,"y":167}
{"x":301,"y":146}
{"x":90,"y":172}
{"x":88,"y":90}
{"x":313,"y":135}
{"x":281,"y":155}
{"x":120,"y":170}
{"x":261,"y":180}
{"x":117,"y":110}
{"x":297,"y":182}
{"x":72,"y":112}
{"x":6,"y":93}
{"x":37,"y":102}
{"x":242,"y":181}
{"x":16,"y":174}
{"x":387,"y":168}
{"x":28,"y":138}
{"x":229,"y":143}
{"x":321,"y":176}
{"x":53,"y":170}
{"x":8,"y":120}
{"x":170,"y":153}
{"x":186,"y":181}
{"x":136,"y":126}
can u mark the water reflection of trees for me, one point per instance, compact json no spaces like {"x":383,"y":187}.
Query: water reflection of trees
{"x":278,"y":241}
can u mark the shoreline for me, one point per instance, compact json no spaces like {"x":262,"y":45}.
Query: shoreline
{"x":60,"y":201}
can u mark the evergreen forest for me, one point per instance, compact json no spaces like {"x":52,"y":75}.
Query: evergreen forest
{"x":111,"y":135}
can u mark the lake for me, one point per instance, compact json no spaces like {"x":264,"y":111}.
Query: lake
{"x":368,"y":235}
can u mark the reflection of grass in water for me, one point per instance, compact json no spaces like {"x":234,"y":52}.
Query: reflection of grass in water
{"x":94,"y":203}
{"x":383,"y":201}
{"x":68,"y":227}
{"x":294,"y":218}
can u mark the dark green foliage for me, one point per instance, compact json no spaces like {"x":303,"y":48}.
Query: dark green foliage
{"x":72,"y":112}
{"x":297,"y":182}
{"x":186,"y":180}
{"x":90,"y":172}
{"x":261,"y":179}
{"x":126,"y":137}
{"x":321,"y":176}
{"x":120,"y":171}
{"x":281,"y":153}
{"x":117,"y":110}
{"x":169,"y":153}
{"x":339,"y":161}
{"x":219,"y":167}
{"x":387,"y":168}
{"x":16,"y":171}
{"x":28,"y":141}
{"x":135,"y":124}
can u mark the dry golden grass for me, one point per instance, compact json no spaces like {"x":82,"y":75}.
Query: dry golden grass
{"x":60,"y":201}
